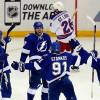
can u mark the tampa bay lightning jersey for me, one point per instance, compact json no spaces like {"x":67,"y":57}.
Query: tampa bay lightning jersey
{"x":55,"y":66}
{"x":4,"y":63}
{"x":35,"y":45}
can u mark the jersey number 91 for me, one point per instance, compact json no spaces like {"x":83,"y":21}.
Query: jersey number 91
{"x":58,"y":68}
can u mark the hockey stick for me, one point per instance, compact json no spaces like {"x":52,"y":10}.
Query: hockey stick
{"x":8,"y":32}
{"x":74,"y":14}
{"x":94,"y":41}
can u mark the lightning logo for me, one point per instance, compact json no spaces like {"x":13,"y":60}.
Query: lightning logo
{"x":42,"y":46}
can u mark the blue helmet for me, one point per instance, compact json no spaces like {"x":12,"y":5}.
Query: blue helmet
{"x":38,"y":25}
{"x":55,"y":47}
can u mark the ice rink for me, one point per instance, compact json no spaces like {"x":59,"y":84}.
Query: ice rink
{"x":81,"y":80}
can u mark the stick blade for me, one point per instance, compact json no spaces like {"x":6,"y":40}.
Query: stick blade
{"x":91,"y":20}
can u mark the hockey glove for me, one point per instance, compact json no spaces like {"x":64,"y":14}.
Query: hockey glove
{"x":15,"y":65}
{"x":21,"y":66}
{"x":75,"y":45}
{"x":7,"y":39}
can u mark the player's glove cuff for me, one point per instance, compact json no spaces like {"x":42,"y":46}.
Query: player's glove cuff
{"x":21,"y":66}
{"x":94,"y":53}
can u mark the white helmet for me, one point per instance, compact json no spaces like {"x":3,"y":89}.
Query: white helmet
{"x":58,"y":5}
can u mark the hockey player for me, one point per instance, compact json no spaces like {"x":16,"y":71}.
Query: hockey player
{"x":55,"y":68}
{"x":94,"y":61}
{"x":36,"y":45}
{"x":5,"y":84}
{"x":62,"y":25}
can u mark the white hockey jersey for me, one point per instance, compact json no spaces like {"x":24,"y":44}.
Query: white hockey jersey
{"x":62,"y":26}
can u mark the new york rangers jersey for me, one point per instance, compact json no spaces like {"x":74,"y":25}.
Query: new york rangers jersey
{"x":35,"y":45}
{"x":62,"y":26}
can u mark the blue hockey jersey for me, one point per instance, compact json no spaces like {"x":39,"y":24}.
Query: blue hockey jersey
{"x":35,"y":45}
{"x":55,"y":66}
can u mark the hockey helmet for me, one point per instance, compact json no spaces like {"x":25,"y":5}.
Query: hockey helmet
{"x":38,"y":25}
{"x":58,"y":5}
{"x":55,"y":47}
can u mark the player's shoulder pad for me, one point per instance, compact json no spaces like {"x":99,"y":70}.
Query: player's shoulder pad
{"x":46,"y":35}
{"x":29,"y":37}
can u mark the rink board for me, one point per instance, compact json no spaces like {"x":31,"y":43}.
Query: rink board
{"x":84,"y":33}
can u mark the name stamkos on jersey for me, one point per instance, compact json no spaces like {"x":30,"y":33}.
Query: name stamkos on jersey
{"x":59,"y":58}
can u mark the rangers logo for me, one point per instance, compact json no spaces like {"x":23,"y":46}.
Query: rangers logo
{"x":42,"y":46}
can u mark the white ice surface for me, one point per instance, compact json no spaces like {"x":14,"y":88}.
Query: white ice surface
{"x":81,"y":80}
